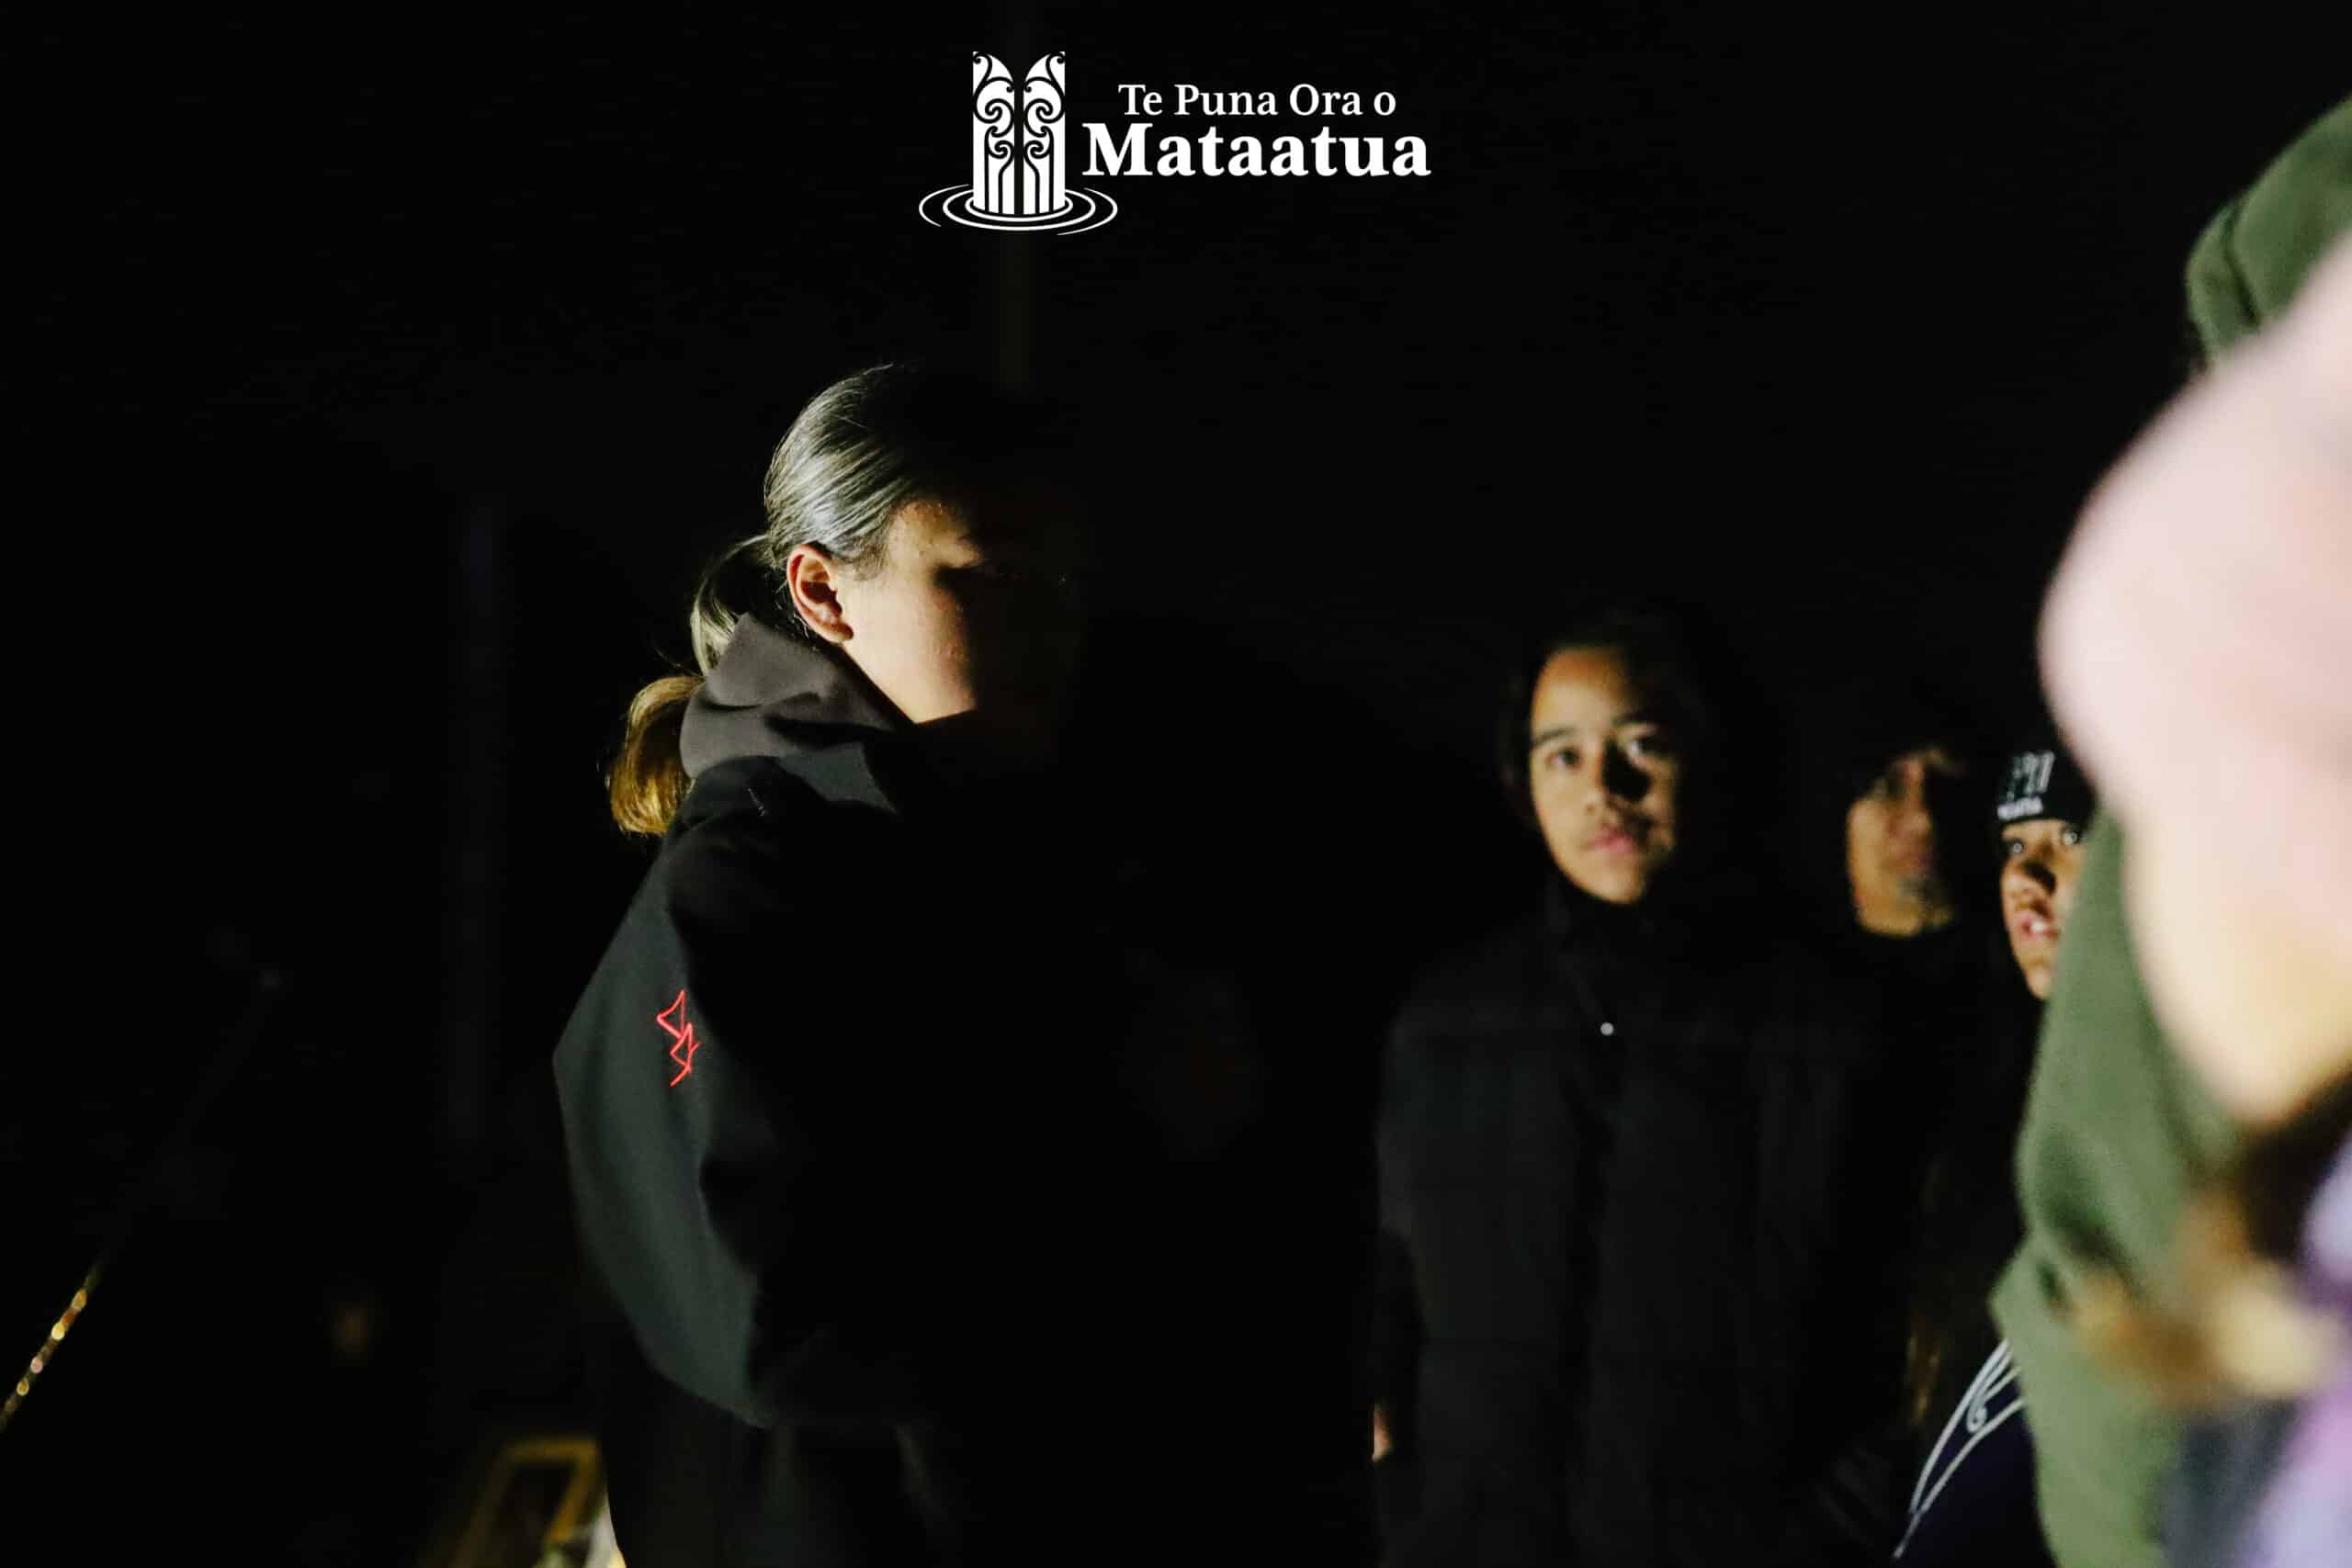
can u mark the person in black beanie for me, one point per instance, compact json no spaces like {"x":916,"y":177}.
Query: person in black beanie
{"x":1973,"y":1499}
{"x":1620,"y":1139}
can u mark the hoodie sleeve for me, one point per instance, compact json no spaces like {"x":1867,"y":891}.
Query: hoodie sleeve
{"x":734,"y":1177}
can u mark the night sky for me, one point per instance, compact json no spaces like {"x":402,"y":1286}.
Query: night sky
{"x":1829,"y":331}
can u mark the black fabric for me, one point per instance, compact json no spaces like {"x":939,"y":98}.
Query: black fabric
{"x":1972,"y":1505}
{"x":1959,"y":1025}
{"x":1942,"y":993}
{"x":2041,"y":779}
{"x":1630,"y":1171}
{"x":1849,"y":732}
{"x":772,"y":695}
{"x":941,"y":1240}
{"x":1970,"y":1223}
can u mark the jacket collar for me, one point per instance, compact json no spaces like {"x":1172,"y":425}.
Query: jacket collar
{"x":802,"y":705}
{"x":771,"y":694}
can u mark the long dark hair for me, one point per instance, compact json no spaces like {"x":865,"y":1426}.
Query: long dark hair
{"x":1678,"y":660}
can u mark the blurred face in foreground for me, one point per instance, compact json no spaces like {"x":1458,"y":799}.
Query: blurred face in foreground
{"x":1604,"y":773}
{"x":2040,"y":859}
{"x":2253,"y":999}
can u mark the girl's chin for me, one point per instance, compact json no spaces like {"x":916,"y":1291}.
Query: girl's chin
{"x":1613,"y":886}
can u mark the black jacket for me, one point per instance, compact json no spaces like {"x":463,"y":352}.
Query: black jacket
{"x":1639,"y":1269}
{"x":896,"y":1182}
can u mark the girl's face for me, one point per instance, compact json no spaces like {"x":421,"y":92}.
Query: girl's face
{"x":967,"y":612}
{"x":1604,"y":773}
{"x":2039,"y":860}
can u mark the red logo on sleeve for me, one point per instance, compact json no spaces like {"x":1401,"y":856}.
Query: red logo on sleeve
{"x":681,"y":1036}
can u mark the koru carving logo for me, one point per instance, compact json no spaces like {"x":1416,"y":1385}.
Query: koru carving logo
{"x":681,"y":1031}
{"x":1020,"y":158}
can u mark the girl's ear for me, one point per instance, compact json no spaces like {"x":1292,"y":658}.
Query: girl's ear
{"x":811,"y":579}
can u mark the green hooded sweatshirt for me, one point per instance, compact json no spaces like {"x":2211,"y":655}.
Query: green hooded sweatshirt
{"x":2117,"y":1133}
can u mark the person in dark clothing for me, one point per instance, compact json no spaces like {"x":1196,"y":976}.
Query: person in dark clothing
{"x":1889,"y":867}
{"x":1891,"y":782}
{"x":1626,"y":1144}
{"x":1972,"y":1501}
{"x":886,"y":1145}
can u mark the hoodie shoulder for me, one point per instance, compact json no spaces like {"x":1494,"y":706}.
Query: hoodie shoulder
{"x":736,"y":837}
{"x":729,"y":883}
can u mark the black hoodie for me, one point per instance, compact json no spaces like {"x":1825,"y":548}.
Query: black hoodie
{"x":889,"y":1259}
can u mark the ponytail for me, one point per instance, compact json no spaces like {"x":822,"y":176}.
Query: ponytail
{"x":649,"y":778}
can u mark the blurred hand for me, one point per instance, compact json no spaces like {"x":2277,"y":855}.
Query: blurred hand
{"x":1381,"y":1442}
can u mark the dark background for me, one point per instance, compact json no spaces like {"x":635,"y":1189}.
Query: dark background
{"x":388,"y":387}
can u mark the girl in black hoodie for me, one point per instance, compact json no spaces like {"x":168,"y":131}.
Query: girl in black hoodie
{"x":879,"y":1132}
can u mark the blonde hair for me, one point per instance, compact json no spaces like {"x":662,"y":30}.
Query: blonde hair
{"x":648,"y":781}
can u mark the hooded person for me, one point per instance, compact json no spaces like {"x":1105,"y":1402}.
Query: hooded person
{"x":2117,"y":1130}
{"x":1883,"y":857}
{"x":884,"y":1140}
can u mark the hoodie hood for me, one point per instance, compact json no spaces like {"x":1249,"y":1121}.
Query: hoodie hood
{"x":778,"y":696}
{"x":2253,"y":257}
